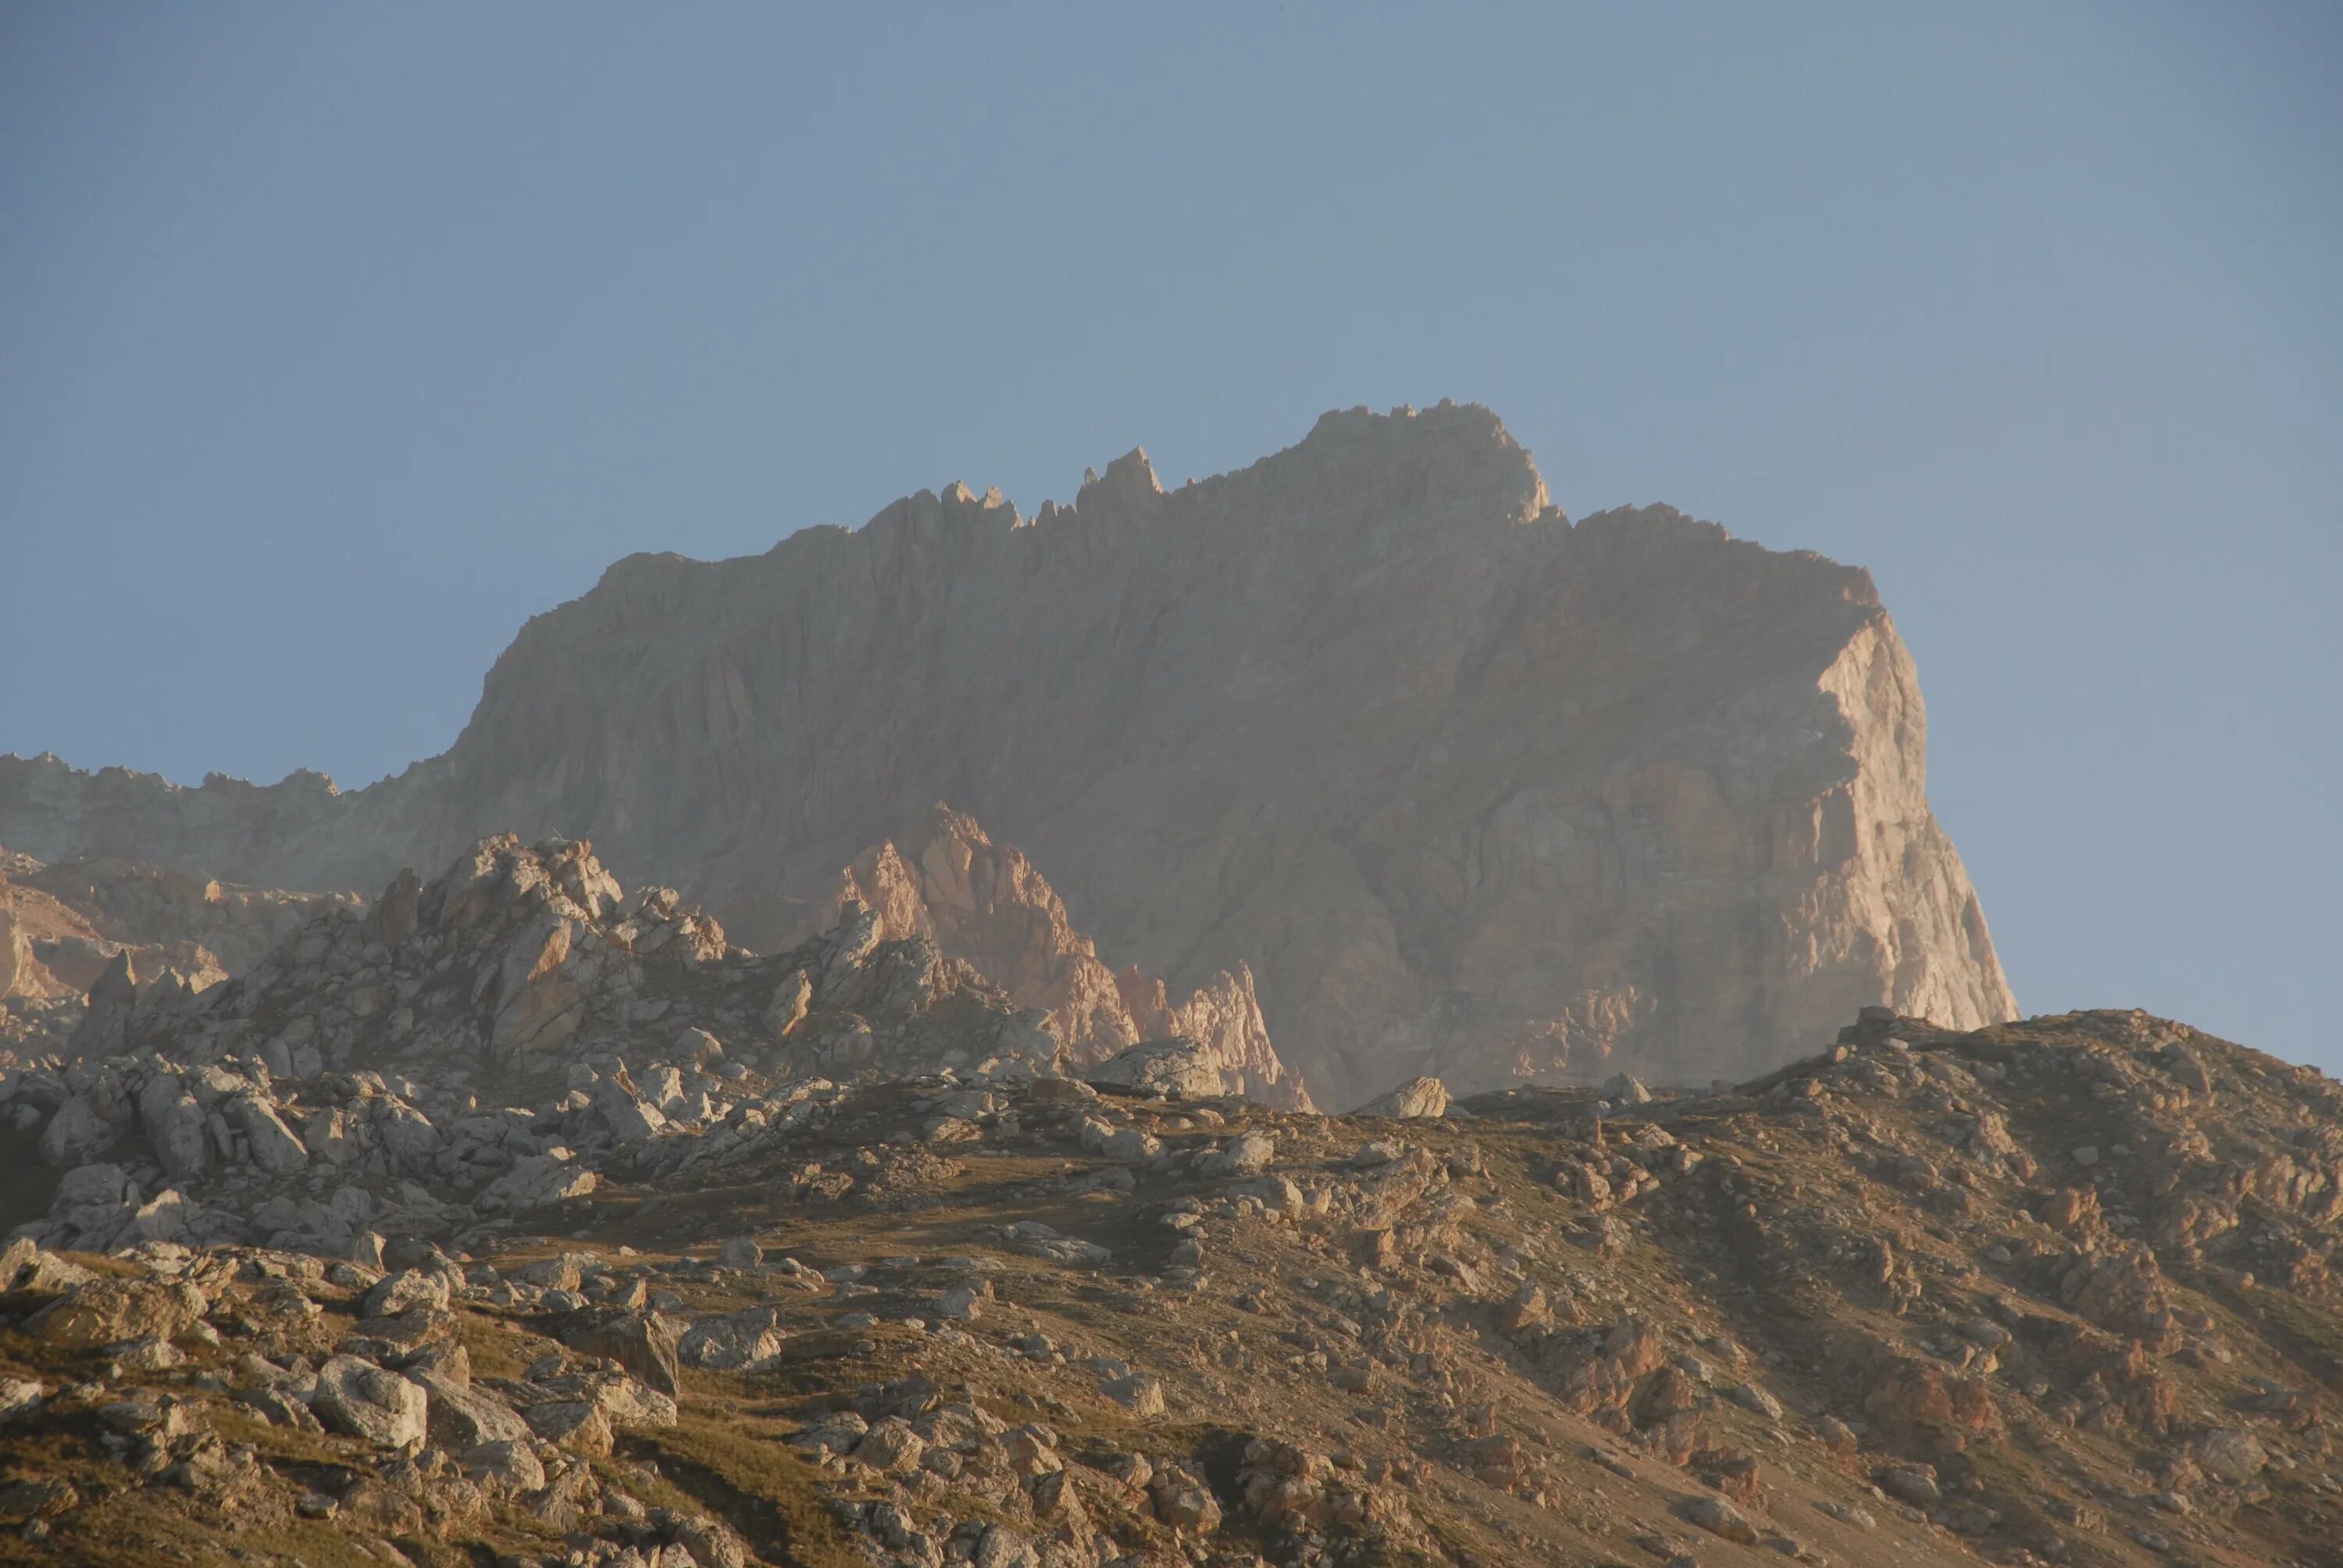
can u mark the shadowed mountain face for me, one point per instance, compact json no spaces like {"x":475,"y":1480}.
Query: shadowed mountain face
{"x":1467,"y":788}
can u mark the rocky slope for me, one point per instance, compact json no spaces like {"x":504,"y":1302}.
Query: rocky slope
{"x":987,"y":904}
{"x":667,"y":1256}
{"x":1469,"y":789}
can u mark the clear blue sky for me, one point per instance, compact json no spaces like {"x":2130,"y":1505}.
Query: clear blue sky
{"x":336,"y":340}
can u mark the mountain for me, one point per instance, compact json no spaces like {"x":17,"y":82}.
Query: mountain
{"x":1466,"y":787}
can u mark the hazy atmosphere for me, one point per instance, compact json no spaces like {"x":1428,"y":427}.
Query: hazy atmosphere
{"x":336,"y":343}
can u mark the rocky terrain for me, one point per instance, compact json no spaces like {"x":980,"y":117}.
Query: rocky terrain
{"x":489,"y":1041}
{"x":1464,"y":786}
{"x":517,"y":1219}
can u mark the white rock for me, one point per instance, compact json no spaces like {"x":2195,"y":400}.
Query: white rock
{"x":1138,"y":1392}
{"x":1247,"y":1154}
{"x":1417,"y":1098}
{"x":20,"y":1397}
{"x":1626,"y":1088}
{"x":359,"y":1398}
{"x":1167,"y":1069}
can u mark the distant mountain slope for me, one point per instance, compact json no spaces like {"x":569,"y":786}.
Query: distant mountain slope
{"x":1470,"y":789}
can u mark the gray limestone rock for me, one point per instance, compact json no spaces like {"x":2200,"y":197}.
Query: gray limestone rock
{"x":1418,"y":1097}
{"x":364,"y":1401}
{"x":1167,"y":1069}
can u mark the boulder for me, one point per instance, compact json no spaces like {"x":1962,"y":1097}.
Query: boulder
{"x":729,"y":1341}
{"x":1719,"y":1517}
{"x":787,"y":1009}
{"x":506,"y":1466}
{"x":361,"y":1400}
{"x":1137,"y":1392}
{"x":1246,"y":1155}
{"x":462,"y":1417}
{"x":643,"y":1346}
{"x":632,"y":1120}
{"x":25,"y":1266}
{"x":405,"y":1290}
{"x":1417,"y":1098}
{"x":2231,"y":1454}
{"x":176,"y":1133}
{"x":1172,"y":1068}
{"x":75,"y":1132}
{"x":580,"y":1426}
{"x":1626,"y":1088}
{"x":891,"y":1447}
{"x":110,"y":1311}
{"x":276,"y":1148}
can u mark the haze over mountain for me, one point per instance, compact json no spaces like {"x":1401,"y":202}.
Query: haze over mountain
{"x":1469,"y":789}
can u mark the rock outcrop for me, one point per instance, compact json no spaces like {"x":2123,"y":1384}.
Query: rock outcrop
{"x":63,"y":927}
{"x":986,"y":903}
{"x":1471,"y":791}
{"x":485,"y":1043}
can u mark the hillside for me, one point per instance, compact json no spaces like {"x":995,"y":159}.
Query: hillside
{"x":522,"y":1219}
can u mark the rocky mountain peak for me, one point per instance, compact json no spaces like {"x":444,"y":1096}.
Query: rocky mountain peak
{"x":1129,"y":482}
{"x":1467,"y":790}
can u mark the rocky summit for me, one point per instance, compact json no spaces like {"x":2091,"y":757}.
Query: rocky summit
{"x":1466,"y":787}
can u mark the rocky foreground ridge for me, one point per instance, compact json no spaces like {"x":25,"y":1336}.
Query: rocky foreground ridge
{"x":517,"y":1219}
{"x":488,"y":1042}
{"x":1465,"y":788}
{"x":2046,"y":1293}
